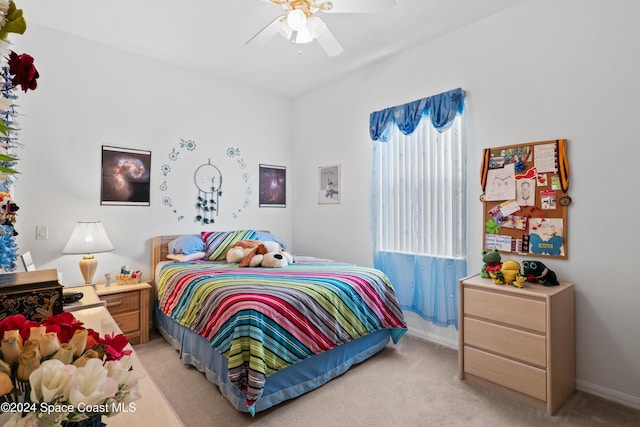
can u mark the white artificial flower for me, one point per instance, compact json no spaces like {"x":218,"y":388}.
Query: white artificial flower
{"x":50,"y":380}
{"x":90,"y":384}
{"x":17,"y":420}
{"x":121,"y":372}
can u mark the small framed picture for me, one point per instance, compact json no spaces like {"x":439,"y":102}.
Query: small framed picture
{"x":273,"y":186}
{"x":126,"y":177}
{"x":329,"y":184}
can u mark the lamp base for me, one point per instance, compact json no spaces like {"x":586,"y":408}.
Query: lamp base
{"x":88,"y":266}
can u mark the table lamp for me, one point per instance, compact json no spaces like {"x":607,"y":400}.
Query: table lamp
{"x":88,"y":238}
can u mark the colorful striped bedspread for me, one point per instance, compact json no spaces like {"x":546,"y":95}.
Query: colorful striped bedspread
{"x":265,"y":319}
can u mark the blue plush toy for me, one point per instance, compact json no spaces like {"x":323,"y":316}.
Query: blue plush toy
{"x":537,"y":272}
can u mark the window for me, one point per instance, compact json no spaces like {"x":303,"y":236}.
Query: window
{"x":419,"y":208}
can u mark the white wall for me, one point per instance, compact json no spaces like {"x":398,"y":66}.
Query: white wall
{"x":542,"y":70}
{"x":91,"y":95}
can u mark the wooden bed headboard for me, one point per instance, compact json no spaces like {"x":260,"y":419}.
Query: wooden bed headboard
{"x":159,"y":251}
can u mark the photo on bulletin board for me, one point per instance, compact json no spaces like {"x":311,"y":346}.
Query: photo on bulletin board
{"x":525,"y":198}
{"x":126,"y":176}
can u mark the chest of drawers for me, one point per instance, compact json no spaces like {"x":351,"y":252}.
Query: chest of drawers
{"x":519,"y":341}
{"x":129,"y":307}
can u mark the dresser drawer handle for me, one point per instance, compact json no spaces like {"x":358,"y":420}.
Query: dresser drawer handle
{"x":114,"y":304}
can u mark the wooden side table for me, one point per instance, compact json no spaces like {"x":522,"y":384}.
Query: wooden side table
{"x":129,"y":307}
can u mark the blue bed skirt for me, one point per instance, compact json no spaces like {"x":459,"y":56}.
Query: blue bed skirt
{"x":283,"y":385}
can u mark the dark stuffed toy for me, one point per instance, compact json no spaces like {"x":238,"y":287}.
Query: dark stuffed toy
{"x":537,"y":272}
{"x":492,"y":263}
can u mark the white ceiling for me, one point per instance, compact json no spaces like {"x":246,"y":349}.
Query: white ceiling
{"x":210,"y":35}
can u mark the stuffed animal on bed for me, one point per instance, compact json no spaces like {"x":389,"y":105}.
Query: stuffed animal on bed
{"x":257,"y":253}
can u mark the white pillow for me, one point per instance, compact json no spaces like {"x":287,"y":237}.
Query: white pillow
{"x":186,"y":257}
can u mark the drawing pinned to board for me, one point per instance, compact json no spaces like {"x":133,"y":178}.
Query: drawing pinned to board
{"x":525,"y":193}
{"x":501,"y":184}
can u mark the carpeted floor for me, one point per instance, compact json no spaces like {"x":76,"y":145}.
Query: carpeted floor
{"x":412,"y":384}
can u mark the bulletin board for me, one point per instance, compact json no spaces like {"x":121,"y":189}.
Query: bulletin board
{"x":525,"y":197}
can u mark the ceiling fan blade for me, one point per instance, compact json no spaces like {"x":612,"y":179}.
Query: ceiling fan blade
{"x":270,"y":30}
{"x":329,"y":43}
{"x":361,"y":6}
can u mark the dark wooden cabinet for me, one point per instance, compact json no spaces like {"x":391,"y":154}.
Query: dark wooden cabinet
{"x":34,"y":294}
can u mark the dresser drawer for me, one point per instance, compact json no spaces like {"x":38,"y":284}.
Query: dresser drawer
{"x":522,"y":312}
{"x":524,"y":346}
{"x":123,"y":302}
{"x":128,"y":322}
{"x":507,"y":373}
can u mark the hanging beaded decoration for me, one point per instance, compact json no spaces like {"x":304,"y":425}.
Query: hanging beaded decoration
{"x":208,"y":180}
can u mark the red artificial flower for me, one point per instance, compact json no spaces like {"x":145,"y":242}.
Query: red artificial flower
{"x":23,"y":71}
{"x":11,"y":323}
{"x":93,"y":338}
{"x":64,"y":324}
{"x":25,"y":331}
{"x":115,"y":344}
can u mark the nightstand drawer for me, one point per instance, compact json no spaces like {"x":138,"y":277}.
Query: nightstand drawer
{"x":521,"y":345}
{"x":128,"y":322}
{"x":505,"y":372}
{"x":124,"y":302}
{"x":526,"y":313}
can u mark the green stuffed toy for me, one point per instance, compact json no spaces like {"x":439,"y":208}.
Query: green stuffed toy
{"x":537,"y":272}
{"x":492,"y":263}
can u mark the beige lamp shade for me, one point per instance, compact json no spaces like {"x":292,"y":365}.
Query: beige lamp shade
{"x":88,"y":238}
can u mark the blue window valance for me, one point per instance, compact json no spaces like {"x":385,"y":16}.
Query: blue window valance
{"x":441,"y":109}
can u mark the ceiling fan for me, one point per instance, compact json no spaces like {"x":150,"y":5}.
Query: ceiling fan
{"x":300,"y":25}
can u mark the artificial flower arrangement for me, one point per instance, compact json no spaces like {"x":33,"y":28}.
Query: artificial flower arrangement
{"x":58,"y":373}
{"x":16,"y":70}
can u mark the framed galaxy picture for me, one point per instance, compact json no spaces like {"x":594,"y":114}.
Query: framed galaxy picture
{"x":125,"y":176}
{"x":273,"y":186}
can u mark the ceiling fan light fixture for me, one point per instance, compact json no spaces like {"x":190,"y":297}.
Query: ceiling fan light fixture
{"x":325,"y":5}
{"x":316,"y":26}
{"x":285,"y":29}
{"x":297,"y":20}
{"x":304,"y":36}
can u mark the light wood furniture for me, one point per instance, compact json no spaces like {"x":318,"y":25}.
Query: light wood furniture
{"x":129,"y":306}
{"x":152,"y":409}
{"x":519,"y":341}
{"x":89,"y":298}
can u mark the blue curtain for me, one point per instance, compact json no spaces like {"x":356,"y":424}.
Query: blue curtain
{"x":419,"y":233}
{"x":426,"y":285}
{"x":441,"y":109}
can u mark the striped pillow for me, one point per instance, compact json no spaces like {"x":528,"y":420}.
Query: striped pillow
{"x":218,"y":243}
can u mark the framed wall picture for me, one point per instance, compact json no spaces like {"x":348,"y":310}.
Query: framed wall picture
{"x":273,"y":186}
{"x":126,"y":176}
{"x":329,"y":184}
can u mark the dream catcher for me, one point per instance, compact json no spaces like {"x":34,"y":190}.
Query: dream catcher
{"x":208,"y":180}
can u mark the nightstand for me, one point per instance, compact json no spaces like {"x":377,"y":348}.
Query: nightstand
{"x":129,"y":306}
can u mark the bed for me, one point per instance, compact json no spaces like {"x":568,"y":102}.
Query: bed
{"x":267,"y":335}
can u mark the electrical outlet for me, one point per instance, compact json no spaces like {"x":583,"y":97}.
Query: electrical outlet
{"x":42,"y":232}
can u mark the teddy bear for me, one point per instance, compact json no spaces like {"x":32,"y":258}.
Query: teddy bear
{"x":491,"y":263}
{"x":257,"y":253}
